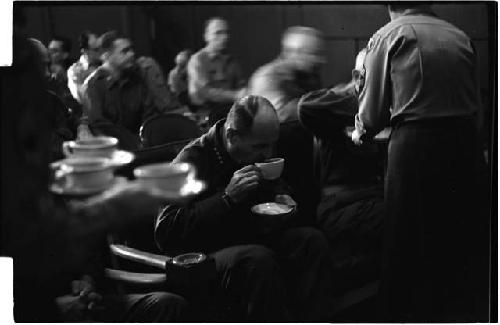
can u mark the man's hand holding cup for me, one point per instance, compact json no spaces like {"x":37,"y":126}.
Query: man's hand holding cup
{"x":243,"y":183}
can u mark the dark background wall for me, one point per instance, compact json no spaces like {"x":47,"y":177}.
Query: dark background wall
{"x":162,"y":29}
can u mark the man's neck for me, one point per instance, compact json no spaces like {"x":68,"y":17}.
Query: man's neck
{"x":214,"y":52}
{"x":418,"y":10}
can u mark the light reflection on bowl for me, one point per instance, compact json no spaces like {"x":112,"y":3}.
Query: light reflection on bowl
{"x":192,"y":186}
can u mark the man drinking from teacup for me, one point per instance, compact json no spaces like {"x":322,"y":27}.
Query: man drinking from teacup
{"x":265,"y":273}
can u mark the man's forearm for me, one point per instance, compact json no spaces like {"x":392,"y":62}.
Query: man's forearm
{"x":183,"y":227}
{"x":217,"y":95}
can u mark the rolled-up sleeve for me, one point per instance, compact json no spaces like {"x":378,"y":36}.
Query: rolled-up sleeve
{"x":325,"y":112}
{"x":199,"y":88}
{"x":376,"y":97}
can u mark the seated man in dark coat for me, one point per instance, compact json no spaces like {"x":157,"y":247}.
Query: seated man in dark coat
{"x":255,"y":270}
{"x":351,"y":209}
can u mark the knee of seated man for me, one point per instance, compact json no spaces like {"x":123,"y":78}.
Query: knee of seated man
{"x":257,"y":258}
{"x":167,"y":307}
{"x":313,"y":238}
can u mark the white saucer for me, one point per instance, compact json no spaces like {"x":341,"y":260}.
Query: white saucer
{"x":121,"y":157}
{"x":189,"y":190}
{"x":272,"y":209}
{"x":118,"y":159}
{"x":60,"y":187}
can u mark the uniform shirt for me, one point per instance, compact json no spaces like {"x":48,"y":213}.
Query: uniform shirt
{"x":118,"y":106}
{"x":283,"y":86}
{"x":213,"y":77}
{"x":152,"y":74}
{"x":418,"y":67}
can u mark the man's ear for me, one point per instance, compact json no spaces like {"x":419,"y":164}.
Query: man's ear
{"x":232,"y":136}
{"x":355,"y":74}
{"x":206,"y":37}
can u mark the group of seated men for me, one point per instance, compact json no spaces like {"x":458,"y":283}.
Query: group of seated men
{"x":285,"y":274}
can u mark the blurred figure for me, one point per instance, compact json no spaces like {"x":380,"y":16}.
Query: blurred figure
{"x":421,"y":77}
{"x":294,"y":73}
{"x":123,"y":92}
{"x":79,"y":71}
{"x":88,"y":63}
{"x":351,"y":209}
{"x":326,"y":113}
{"x":59,"y":50}
{"x":60,"y":118}
{"x":178,"y":78}
{"x":214,"y":77}
{"x":261,"y":275}
{"x":49,"y":241}
{"x":86,"y":304}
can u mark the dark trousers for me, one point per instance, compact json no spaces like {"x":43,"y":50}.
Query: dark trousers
{"x":149,"y":307}
{"x":285,"y":278}
{"x":431,"y":224}
{"x":354,"y":218}
{"x":153,"y":307}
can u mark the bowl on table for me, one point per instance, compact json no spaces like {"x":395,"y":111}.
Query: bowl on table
{"x":100,"y":146}
{"x":167,"y":177}
{"x":84,"y":174}
{"x":272,"y":216}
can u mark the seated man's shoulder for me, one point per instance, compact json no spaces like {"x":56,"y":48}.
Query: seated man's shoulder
{"x":194,"y":153}
{"x":97,"y":76}
{"x":199,"y":57}
{"x":147,"y":62}
{"x":272,"y":70}
{"x":174,"y":72}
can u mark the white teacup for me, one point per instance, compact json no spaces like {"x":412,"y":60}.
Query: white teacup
{"x":271,"y":168}
{"x":165,"y":176}
{"x":86,"y":172}
{"x":91,"y":147}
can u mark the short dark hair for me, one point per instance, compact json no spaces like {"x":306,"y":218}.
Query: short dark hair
{"x":83,"y":39}
{"x":66,"y":42}
{"x":210,"y":20}
{"x":242,"y":113}
{"x":106,"y":40}
{"x":403,"y":5}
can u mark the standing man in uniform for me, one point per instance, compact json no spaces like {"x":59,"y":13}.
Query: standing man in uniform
{"x":420,"y":76}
